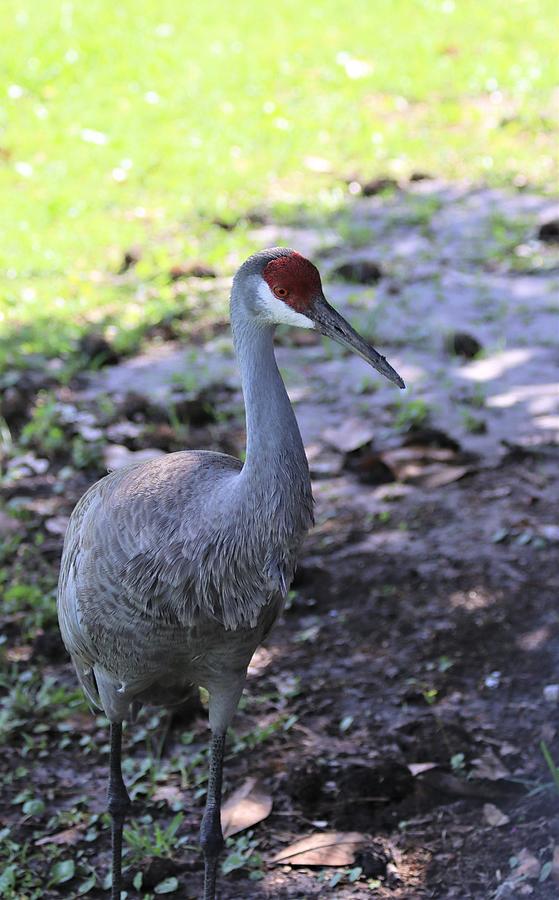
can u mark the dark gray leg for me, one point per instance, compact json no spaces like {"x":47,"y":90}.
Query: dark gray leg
{"x":211,"y":836}
{"x":119,"y":802}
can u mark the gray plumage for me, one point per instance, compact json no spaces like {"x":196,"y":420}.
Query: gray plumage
{"x":174,"y":570}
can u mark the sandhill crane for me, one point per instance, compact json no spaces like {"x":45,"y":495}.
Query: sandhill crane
{"x":175,"y":570}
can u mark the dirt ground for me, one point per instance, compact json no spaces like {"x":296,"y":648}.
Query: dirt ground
{"x":410,"y":691}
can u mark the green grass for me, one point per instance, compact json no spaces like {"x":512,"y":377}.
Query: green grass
{"x":139,"y":123}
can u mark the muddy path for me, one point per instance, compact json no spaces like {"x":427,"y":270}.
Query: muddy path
{"x":406,"y":694}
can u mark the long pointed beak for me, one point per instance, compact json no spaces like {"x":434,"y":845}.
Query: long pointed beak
{"x":333,"y":325}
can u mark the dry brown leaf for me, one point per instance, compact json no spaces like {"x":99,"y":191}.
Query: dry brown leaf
{"x":424,"y":466}
{"x":68,"y":837}
{"x":326,"y":848}
{"x":168,"y":792}
{"x":493,"y":815}
{"x":441,"y":475}
{"x":350,"y":435}
{"x":489,"y":766}
{"x":19,"y":654}
{"x":247,"y":806}
{"x":400,"y":457}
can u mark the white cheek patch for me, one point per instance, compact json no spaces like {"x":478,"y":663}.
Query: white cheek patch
{"x":280,"y":312}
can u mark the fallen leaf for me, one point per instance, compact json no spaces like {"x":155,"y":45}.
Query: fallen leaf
{"x":506,"y":749}
{"x":68,"y":837}
{"x":19,"y":654}
{"x":489,"y":766}
{"x":424,"y":466}
{"x":528,"y":866}
{"x":493,"y":815}
{"x":419,"y":768}
{"x":247,"y":806}
{"x":328,"y":848}
{"x":441,"y":475}
{"x":415,"y":458}
{"x":168,"y":886}
{"x":167,"y":792}
{"x":350,"y":435}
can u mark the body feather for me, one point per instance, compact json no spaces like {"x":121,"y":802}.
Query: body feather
{"x":153,"y":575}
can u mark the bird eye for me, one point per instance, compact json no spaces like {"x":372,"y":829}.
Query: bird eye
{"x":280,"y":292}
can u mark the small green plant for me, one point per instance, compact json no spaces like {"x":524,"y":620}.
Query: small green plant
{"x":27,"y":696}
{"x":472,"y":424}
{"x":86,"y":454}
{"x":444,"y":664}
{"x":17,"y":879}
{"x":457,"y":763}
{"x":241,"y":854}
{"x":179,"y":427}
{"x":44,"y":431}
{"x":411,"y":413}
{"x":152,"y":840}
{"x":430,"y":695}
{"x":506,"y":231}
{"x":261,"y":734}
{"x":477,"y":397}
{"x":348,"y":875}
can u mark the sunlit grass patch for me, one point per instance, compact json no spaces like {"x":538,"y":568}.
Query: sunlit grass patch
{"x":141,"y":125}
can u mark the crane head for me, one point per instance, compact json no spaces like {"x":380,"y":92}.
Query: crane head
{"x":287,"y":289}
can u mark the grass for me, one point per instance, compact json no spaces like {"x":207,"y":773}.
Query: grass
{"x":140,"y":124}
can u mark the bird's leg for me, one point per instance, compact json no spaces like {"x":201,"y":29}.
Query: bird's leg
{"x":211,"y":836}
{"x":119,"y":802}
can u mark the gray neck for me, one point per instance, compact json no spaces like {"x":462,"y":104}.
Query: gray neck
{"x":274,"y":446}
